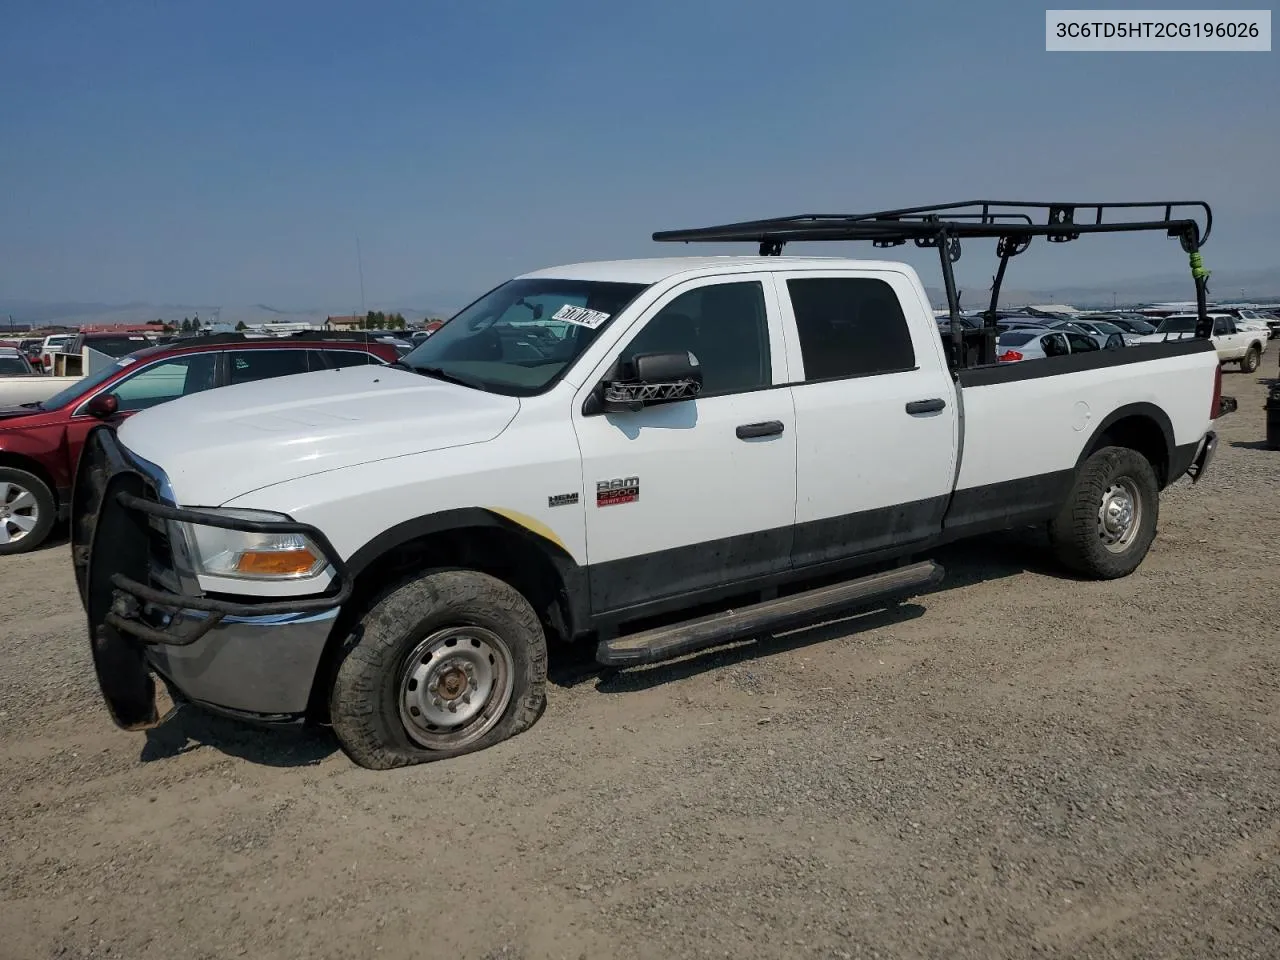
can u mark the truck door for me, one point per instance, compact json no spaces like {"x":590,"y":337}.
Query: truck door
{"x":1232,"y":344}
{"x":694,"y":494}
{"x":876,"y":417}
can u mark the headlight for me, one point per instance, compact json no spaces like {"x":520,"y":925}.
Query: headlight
{"x":252,"y":556}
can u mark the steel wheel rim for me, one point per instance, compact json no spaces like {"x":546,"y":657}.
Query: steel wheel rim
{"x":19,"y":512}
{"x":455,"y":686}
{"x":1120,"y":515}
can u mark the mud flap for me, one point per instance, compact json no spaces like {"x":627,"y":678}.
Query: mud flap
{"x":124,"y":679}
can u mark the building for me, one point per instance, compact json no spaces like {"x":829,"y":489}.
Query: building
{"x":344,"y":323}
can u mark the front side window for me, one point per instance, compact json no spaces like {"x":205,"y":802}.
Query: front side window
{"x":724,"y":325}
{"x":850,"y":327}
{"x":520,"y":338}
{"x":166,"y":380}
{"x":13,"y":366}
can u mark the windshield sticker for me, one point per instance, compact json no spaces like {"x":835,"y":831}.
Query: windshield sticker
{"x":581,"y":316}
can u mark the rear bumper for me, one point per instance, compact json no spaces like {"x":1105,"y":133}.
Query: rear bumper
{"x":251,"y":658}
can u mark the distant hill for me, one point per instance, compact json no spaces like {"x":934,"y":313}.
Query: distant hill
{"x":75,"y":313}
{"x":1224,"y":285}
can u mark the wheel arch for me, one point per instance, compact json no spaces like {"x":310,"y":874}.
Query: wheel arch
{"x":503,"y":544}
{"x":1143,"y":427}
{"x":18,"y":461}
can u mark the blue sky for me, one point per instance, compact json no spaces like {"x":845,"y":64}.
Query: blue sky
{"x":229,"y":152}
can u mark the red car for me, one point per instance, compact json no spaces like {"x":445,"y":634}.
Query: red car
{"x":40,"y":442}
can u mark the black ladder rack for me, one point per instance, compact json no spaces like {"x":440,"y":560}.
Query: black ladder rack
{"x":1014,"y":223}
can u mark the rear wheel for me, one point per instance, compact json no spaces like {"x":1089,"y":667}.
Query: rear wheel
{"x":27,"y":511}
{"x":1252,"y":357}
{"x":448,"y":662}
{"x":1108,"y":523}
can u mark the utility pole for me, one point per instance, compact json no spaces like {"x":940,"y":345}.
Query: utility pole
{"x":360,"y":266}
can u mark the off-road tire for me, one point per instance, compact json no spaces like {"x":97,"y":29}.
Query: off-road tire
{"x":1251,"y":359}
{"x":1075,"y":531}
{"x":364,"y":706}
{"x":46,"y":510}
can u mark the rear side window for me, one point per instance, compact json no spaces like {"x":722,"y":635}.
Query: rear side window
{"x":850,"y":327}
{"x":249,"y":365}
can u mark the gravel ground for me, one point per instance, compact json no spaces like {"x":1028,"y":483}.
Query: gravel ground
{"x":1016,"y":765}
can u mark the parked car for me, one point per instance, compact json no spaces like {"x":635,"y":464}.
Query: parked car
{"x":652,"y":436}
{"x":53,"y":343}
{"x":40,"y":442}
{"x":1103,"y":341}
{"x":111,"y":344}
{"x":1132,"y":323}
{"x":1251,"y":320}
{"x":33,"y":349}
{"x":14,"y":363}
{"x":1034,"y":343}
{"x":1107,"y":330}
{"x":1244,"y":347}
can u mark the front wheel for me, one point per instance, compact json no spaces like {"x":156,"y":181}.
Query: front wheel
{"x":1108,"y":522}
{"x":448,"y":662}
{"x":1249,"y":363}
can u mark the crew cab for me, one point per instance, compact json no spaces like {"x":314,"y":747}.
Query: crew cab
{"x":41,"y":440}
{"x":1233,"y":345}
{"x":588,"y":453}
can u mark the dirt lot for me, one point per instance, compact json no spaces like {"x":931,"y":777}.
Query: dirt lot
{"x":1016,"y":765}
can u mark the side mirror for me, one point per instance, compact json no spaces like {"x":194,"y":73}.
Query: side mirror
{"x":103,"y":406}
{"x":656,"y":378}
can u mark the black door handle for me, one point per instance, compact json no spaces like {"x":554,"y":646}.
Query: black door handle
{"x":926,"y":406}
{"x":769,"y":428}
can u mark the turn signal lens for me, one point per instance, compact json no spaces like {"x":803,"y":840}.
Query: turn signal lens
{"x":276,"y":563}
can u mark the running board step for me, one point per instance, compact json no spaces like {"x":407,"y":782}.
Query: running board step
{"x":667,"y":643}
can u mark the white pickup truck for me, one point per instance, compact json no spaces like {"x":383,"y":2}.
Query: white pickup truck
{"x":1233,"y":344}
{"x":393,"y":550}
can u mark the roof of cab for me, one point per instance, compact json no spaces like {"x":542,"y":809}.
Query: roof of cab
{"x":654,"y":269}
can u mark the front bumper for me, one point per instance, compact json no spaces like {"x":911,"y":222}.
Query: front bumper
{"x":254,"y":658}
{"x":257,"y":667}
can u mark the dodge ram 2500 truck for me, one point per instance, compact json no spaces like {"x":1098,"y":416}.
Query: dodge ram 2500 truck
{"x":577,"y":455}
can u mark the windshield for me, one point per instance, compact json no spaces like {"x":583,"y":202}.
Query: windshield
{"x":13,"y":366}
{"x":1102,"y":326}
{"x":1134,"y":325}
{"x":73,"y":391}
{"x":520,"y":338}
{"x":1177,"y":325}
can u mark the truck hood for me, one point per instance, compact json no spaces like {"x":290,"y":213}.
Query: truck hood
{"x":223,"y":443}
